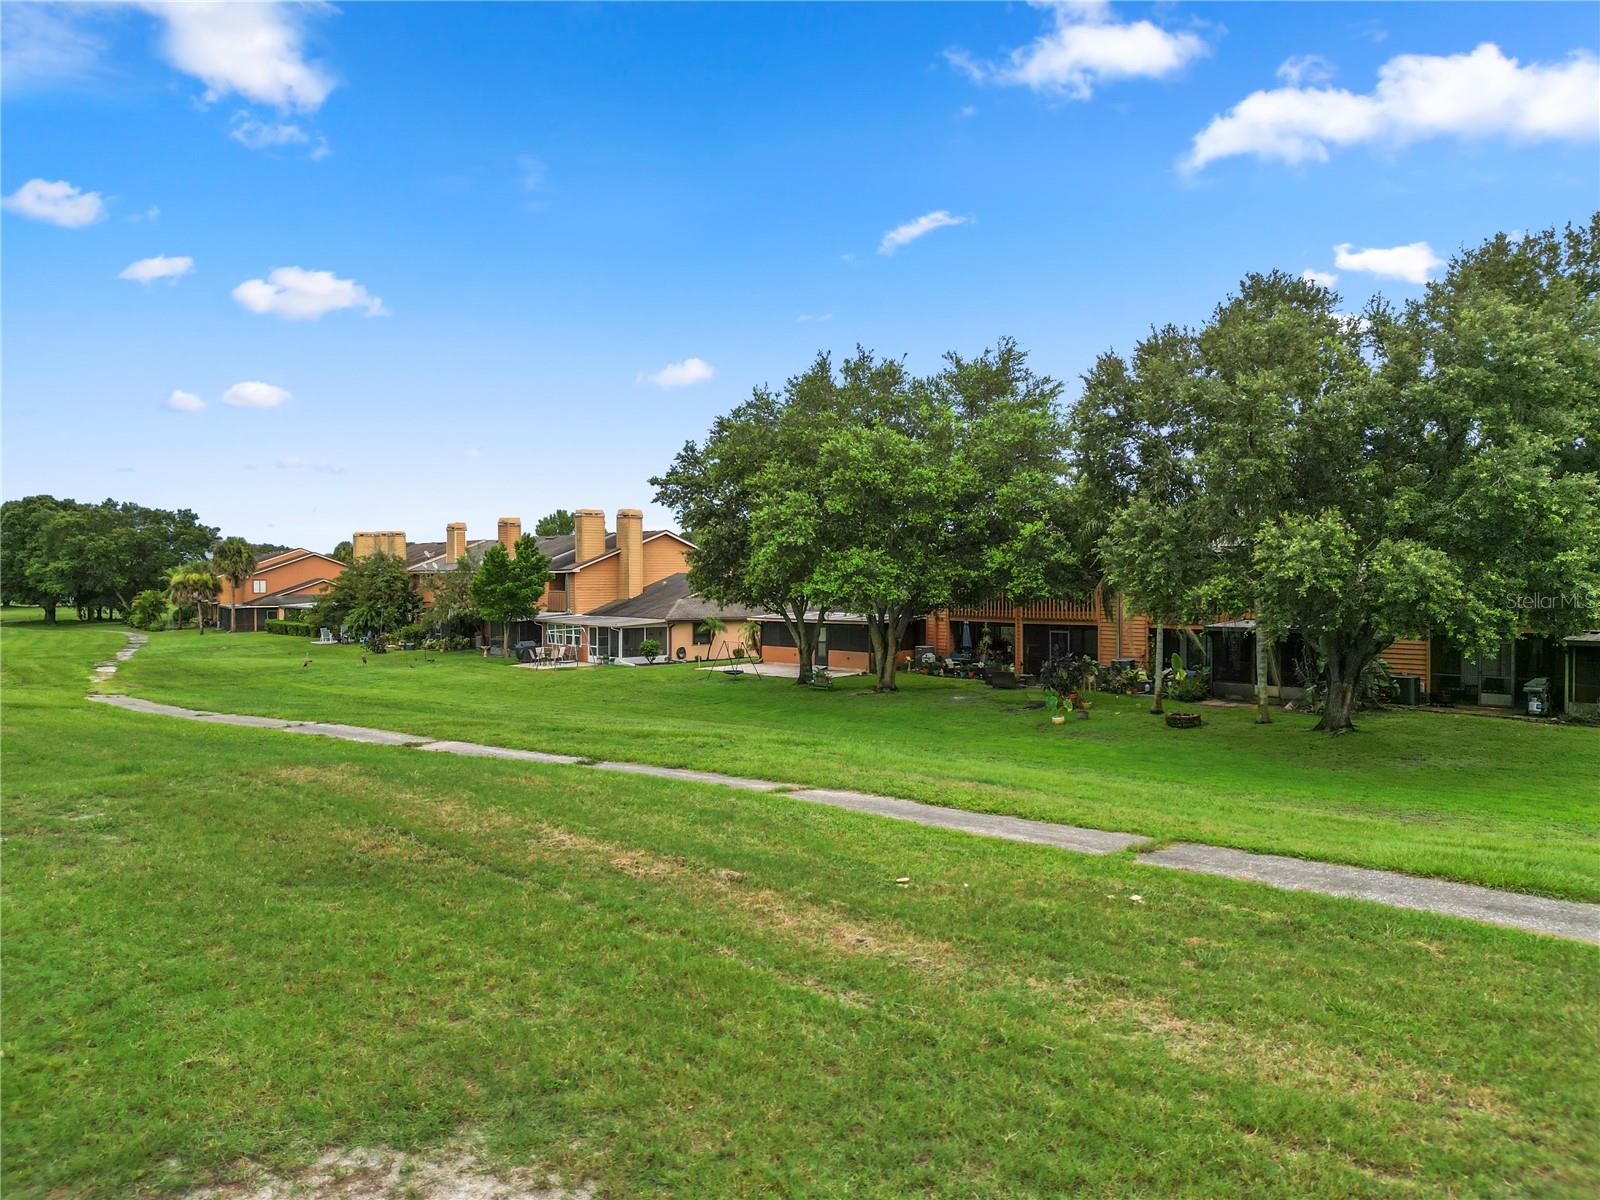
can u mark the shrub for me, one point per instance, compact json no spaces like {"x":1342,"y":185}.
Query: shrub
{"x":1375,"y":688}
{"x":291,"y":628}
{"x":650,"y":649}
{"x":1184,"y":684}
{"x":150,"y":610}
{"x":1130,"y":680}
{"x":1069,"y":673}
{"x":413,"y":634}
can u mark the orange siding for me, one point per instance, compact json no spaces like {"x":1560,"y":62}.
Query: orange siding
{"x":598,"y":584}
{"x":664,"y":556}
{"x":838,"y":660}
{"x":1411,"y":656}
{"x":277,"y":578}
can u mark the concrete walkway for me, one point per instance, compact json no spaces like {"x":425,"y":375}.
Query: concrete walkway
{"x":773,"y":670}
{"x":1535,"y":914}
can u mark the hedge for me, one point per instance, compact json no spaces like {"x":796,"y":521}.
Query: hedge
{"x":292,"y":628}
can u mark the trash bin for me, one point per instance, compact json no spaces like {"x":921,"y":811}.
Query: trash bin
{"x":1538,"y":693}
{"x":1408,"y":689}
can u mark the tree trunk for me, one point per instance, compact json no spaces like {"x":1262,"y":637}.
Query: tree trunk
{"x":1263,"y":716}
{"x":49,"y":607}
{"x":804,"y":634}
{"x":884,"y":633}
{"x":1159,"y":665}
{"x":505,"y":639}
{"x":1345,"y":666}
{"x":875,"y":642}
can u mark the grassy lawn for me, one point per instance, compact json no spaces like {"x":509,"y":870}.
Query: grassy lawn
{"x":1502,"y":803}
{"x":228,"y":947}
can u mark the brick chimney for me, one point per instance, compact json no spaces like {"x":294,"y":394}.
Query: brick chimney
{"x":510,"y":531}
{"x":630,"y":547}
{"x":455,"y":542}
{"x":589,"y":534}
{"x":386,"y":541}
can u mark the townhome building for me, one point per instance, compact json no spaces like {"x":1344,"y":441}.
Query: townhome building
{"x":610,"y":590}
{"x":283,"y":585}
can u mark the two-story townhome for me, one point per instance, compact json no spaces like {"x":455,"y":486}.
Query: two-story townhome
{"x":283,"y":584}
{"x":609,"y":592}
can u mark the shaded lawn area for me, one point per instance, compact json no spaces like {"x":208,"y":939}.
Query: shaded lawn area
{"x":226,"y":945}
{"x":1506,"y":804}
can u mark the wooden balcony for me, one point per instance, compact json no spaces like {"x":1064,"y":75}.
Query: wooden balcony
{"x":555,"y":600}
{"x":1064,"y":611}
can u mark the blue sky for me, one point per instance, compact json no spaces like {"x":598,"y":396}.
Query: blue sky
{"x":503,"y":230}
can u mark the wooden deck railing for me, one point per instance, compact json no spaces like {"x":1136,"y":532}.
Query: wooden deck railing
{"x":1004,"y":610}
{"x":555,"y":600}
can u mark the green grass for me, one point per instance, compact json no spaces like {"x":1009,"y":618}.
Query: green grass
{"x":228,"y":946}
{"x":1506,"y":804}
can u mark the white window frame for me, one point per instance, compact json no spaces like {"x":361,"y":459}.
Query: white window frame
{"x":258,"y":586}
{"x":563,"y":635}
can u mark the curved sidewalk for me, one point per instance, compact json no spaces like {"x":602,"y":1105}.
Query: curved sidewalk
{"x":1534,"y":914}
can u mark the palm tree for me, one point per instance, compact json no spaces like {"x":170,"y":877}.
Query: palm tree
{"x":235,"y":560}
{"x":713,"y":628}
{"x":194,"y":583}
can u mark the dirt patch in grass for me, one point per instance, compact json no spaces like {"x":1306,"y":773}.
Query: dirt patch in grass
{"x":807,"y":922}
{"x":384,"y":1174}
{"x":1294,"y":1062}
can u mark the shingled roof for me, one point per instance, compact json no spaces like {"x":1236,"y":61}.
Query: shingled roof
{"x":670,"y":599}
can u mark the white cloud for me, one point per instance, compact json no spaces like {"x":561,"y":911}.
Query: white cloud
{"x":44,"y":42}
{"x":147,"y":270}
{"x":1326,"y":278}
{"x":680,"y":374}
{"x":259,"y":135}
{"x":809,"y":318}
{"x":255,"y":394}
{"x":1299,"y":69}
{"x":910,"y":231}
{"x":181,"y":401}
{"x":60,"y":203}
{"x":252,"y":50}
{"x":150,"y":214}
{"x":1411,"y":262}
{"x":300,"y":295}
{"x":1085,"y":46}
{"x":1483,"y":94}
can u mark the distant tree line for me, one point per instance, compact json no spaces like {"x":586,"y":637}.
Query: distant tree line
{"x":1353,"y":478}
{"x":94,"y":558}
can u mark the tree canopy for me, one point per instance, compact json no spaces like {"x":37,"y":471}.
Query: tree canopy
{"x":372,"y":595}
{"x":864,"y":489}
{"x":92,"y":556}
{"x":507,"y":587}
{"x":555,"y":524}
{"x":1356,"y":480}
